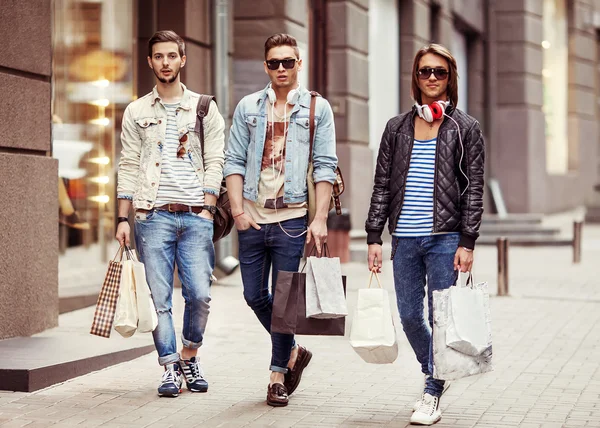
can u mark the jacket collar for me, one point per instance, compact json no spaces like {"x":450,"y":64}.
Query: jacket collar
{"x":303,"y":100}
{"x":185,"y":102}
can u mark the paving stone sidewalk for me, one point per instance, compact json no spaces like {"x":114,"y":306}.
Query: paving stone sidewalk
{"x":546,"y":355}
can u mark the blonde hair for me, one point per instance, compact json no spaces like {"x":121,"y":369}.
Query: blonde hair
{"x":452,"y":89}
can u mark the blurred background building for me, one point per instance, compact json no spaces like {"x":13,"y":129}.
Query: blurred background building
{"x":529,"y":72}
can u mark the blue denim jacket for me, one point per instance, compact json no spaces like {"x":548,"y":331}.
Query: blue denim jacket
{"x":247,"y":141}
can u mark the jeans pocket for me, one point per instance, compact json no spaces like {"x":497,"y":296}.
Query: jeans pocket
{"x":142,"y":217}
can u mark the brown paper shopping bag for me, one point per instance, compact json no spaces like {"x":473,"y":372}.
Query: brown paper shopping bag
{"x":289,"y":309}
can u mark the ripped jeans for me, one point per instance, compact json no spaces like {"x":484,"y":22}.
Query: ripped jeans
{"x":162,"y":239}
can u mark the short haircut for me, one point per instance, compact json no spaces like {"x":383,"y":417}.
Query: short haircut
{"x":452,"y":89}
{"x":166,"y":36}
{"x":281,"y":39}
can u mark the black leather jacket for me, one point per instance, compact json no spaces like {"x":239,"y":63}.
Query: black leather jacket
{"x":451,"y":211}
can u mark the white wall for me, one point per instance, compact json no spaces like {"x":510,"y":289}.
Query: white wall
{"x":384,"y":68}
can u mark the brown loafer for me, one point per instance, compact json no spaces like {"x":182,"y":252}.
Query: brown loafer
{"x":293,"y":376}
{"x":277,"y":395}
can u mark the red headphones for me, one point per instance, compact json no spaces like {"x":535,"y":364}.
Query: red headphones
{"x":433,"y":111}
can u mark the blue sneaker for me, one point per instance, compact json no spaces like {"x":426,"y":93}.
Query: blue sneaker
{"x":194,"y":376}
{"x":170,"y":385}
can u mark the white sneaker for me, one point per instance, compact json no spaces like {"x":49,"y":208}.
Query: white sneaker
{"x":418,"y":402}
{"x":428,"y":412}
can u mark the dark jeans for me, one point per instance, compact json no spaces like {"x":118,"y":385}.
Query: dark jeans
{"x":261,"y":250}
{"x":416,"y":260}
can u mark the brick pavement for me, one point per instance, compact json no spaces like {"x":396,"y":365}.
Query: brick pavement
{"x":546,"y":354}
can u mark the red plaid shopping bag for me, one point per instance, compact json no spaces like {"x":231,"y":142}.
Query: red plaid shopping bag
{"x":107,"y":300}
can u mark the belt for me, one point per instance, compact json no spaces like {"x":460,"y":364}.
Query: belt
{"x":176,"y":208}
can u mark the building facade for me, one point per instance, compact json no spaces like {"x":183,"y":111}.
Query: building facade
{"x":528,"y":71}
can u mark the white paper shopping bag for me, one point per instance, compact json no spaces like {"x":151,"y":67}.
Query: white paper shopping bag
{"x":372,"y":334}
{"x":467,"y":330}
{"x":147,"y":317}
{"x":325,"y":296}
{"x":126,"y":315}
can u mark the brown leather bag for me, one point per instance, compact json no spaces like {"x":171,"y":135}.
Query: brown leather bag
{"x":223,"y":220}
{"x":338,"y":185}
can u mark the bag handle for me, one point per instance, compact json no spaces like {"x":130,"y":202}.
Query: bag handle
{"x":130,"y":253}
{"x":119,"y":251}
{"x":374,"y":272}
{"x":313,"y":252}
{"x":469,"y":282}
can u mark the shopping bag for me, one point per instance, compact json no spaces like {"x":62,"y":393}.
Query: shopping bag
{"x":467,"y":330}
{"x":289,"y":309}
{"x":448,"y":363}
{"x":147,"y":317}
{"x":107,"y":299}
{"x":126,"y":315}
{"x":324,"y":290}
{"x":372,"y":334}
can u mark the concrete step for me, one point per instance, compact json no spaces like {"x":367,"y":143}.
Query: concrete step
{"x":512,"y":218}
{"x":31,"y":363}
{"x":517,"y":230}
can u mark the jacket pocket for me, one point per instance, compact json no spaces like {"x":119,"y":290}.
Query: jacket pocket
{"x":148,"y":127}
{"x":303,"y":130}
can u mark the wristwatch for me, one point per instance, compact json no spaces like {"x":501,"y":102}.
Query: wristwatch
{"x":122,"y":219}
{"x":210,"y":208}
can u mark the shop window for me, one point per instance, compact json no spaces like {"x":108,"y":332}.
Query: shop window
{"x":92,"y":84}
{"x":555,"y":83}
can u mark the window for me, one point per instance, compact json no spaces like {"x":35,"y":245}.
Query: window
{"x":92,"y":84}
{"x":555,"y":81}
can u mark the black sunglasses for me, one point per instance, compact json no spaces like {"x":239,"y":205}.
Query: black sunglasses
{"x":439,"y":73}
{"x":288,"y":64}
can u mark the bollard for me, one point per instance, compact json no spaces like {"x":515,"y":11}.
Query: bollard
{"x":502,"y":247}
{"x":577,"y":230}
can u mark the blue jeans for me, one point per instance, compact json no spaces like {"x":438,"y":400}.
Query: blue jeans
{"x":163,"y":239}
{"x":416,"y":260}
{"x":261,"y":250}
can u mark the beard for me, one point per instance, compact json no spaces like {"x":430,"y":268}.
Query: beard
{"x":170,"y":79}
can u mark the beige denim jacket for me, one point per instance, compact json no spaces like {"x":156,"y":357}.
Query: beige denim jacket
{"x":142,"y":140}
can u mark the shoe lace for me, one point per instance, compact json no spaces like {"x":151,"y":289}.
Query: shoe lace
{"x":169,"y":376}
{"x":196,"y":370}
{"x":428,"y":405}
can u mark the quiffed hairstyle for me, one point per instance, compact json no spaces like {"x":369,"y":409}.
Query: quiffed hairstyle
{"x":452,"y":90}
{"x":281,"y":39}
{"x":166,"y":36}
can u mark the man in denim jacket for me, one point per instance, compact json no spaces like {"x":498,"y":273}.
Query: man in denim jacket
{"x":173,"y":188}
{"x":266,"y":166}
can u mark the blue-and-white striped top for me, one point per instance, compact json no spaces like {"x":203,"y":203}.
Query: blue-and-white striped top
{"x":179,"y":183}
{"x":416,"y":217}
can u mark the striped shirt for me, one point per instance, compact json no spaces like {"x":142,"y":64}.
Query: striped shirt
{"x":179,"y":183}
{"x":416,"y":217}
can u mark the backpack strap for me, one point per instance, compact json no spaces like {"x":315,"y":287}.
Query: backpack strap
{"x":311,"y":118}
{"x":201,"y":112}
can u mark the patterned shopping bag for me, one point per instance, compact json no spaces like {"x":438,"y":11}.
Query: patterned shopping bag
{"x":107,"y":300}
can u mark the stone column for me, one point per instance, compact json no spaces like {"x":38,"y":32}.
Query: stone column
{"x":348,"y":93}
{"x":517,"y":160}
{"x":254,"y":22}
{"x":29,"y":175}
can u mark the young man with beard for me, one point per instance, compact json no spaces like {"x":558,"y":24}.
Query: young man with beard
{"x":429,"y":187}
{"x":266,"y":166}
{"x":173,"y":188}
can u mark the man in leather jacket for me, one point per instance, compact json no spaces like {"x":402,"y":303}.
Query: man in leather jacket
{"x":429,"y":188}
